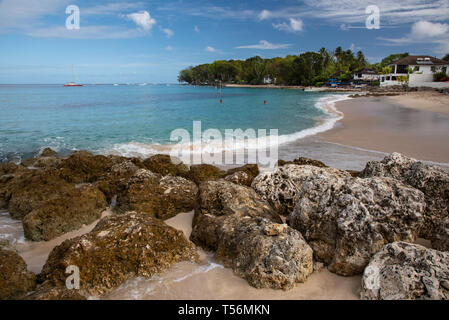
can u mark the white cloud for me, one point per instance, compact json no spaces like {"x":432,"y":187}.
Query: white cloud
{"x":424,"y":29}
{"x":169,"y":48}
{"x":111,"y":8}
{"x":142,"y":19}
{"x":210,"y":49}
{"x":265,"y":45}
{"x":294,"y":25}
{"x":168,"y":32}
{"x":425,"y":32}
{"x":197,"y":30}
{"x":265,"y":14}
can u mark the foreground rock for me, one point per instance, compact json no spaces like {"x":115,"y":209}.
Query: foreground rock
{"x":404,"y":271}
{"x":303,"y":162}
{"x":164,"y":165}
{"x":432,"y":180}
{"x":205,"y":172}
{"x":281,"y":187}
{"x":440,"y":239}
{"x":64,"y":214}
{"x":47,"y":159}
{"x":248,"y":236}
{"x":49,"y":292}
{"x":161,"y":197}
{"x":15,"y":279}
{"x":347,"y":220}
{"x":243,"y":175}
{"x":118,"y":248}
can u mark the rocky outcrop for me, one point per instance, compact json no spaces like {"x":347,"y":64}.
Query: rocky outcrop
{"x":84,"y":167}
{"x":433,"y":181}
{"x":347,"y":220}
{"x":205,"y":172}
{"x":55,"y":217}
{"x":280,"y":188}
{"x":161,"y":197}
{"x":15,"y":279}
{"x":404,"y":271}
{"x":47,"y":159}
{"x":118,"y":248}
{"x":33,"y":188}
{"x":248,"y":236}
{"x":165,"y":164}
{"x":243,"y":175}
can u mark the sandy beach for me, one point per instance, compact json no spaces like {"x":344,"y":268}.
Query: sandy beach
{"x":415,"y":124}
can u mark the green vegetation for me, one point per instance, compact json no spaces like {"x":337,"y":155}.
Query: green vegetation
{"x":440,"y":77}
{"x":309,"y":68}
{"x":446,"y":57}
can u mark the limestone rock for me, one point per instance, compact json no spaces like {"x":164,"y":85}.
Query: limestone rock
{"x":205,"y":172}
{"x":248,"y":236}
{"x":115,"y":181}
{"x":64,"y":214}
{"x":15,"y":279}
{"x":346,"y":221}
{"x":120,"y":247}
{"x":404,"y":271}
{"x":280,"y":188}
{"x":164,"y":165}
{"x":244,"y":175}
{"x":52,"y":293}
{"x":48,"y":152}
{"x":161,"y":197}
{"x":432,"y":180}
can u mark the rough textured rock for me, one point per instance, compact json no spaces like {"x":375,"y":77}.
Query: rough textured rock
{"x":248,"y":236}
{"x":55,"y":217}
{"x":404,"y":271}
{"x":280,"y":188}
{"x":8,"y":171}
{"x":33,"y":188}
{"x":48,"y":152}
{"x":432,"y":180}
{"x":440,"y":239}
{"x":164,"y":165}
{"x":47,"y":159}
{"x":118,"y":248}
{"x":15,"y":279}
{"x":303,"y":162}
{"x":161,"y":197}
{"x":84,"y":167}
{"x":205,"y":172}
{"x":346,"y":221}
{"x":244,"y":175}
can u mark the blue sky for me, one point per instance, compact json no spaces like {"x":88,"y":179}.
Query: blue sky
{"x":150,"y":41}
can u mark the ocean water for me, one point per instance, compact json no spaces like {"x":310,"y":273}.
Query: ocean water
{"x":138,"y":120}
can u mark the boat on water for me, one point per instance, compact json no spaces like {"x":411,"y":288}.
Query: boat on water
{"x":73,"y":84}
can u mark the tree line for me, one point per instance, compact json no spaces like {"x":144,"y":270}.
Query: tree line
{"x":306,"y":69}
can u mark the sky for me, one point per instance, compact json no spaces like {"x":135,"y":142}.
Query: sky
{"x":151,"y":41}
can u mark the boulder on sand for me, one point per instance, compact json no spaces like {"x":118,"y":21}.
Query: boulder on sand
{"x":84,"y":167}
{"x":404,"y":271}
{"x":248,"y":236}
{"x":161,"y":197}
{"x":280,"y":188}
{"x":15,"y":279}
{"x":433,"y":181}
{"x":64,"y":214}
{"x":346,"y":221}
{"x":120,"y":247}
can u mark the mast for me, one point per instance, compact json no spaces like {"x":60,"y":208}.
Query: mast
{"x":73,"y":74}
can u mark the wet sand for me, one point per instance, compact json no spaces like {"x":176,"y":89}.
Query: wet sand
{"x":385,"y":125}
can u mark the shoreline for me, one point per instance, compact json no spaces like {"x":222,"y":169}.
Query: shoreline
{"x":389,"y":124}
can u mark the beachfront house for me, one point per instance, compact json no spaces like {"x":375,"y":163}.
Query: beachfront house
{"x":366,"y":74}
{"x":419,"y":71}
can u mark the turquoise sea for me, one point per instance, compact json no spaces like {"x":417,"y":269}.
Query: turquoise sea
{"x":132,"y":120}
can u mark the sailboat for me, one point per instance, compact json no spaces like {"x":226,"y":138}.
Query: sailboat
{"x":73,"y":84}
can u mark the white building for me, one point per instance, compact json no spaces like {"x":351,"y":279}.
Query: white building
{"x":366,"y":75}
{"x":420,"y":68}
